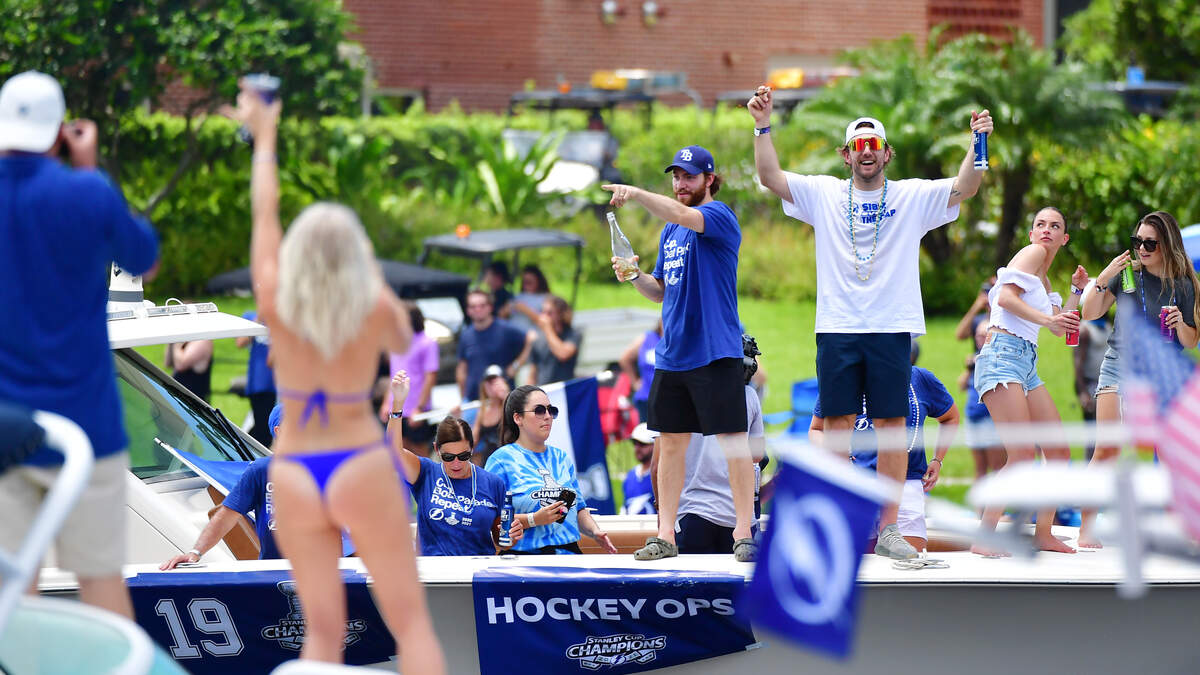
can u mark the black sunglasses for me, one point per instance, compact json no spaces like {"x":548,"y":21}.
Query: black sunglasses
{"x":1148,"y":244}
{"x":462,"y":456}
{"x":540,"y":410}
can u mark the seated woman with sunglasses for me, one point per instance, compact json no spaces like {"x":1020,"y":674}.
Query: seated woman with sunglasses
{"x":540,"y":476}
{"x":458,"y":503}
{"x":1163,"y":278}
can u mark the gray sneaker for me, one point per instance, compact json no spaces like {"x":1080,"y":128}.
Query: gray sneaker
{"x":892,"y":545}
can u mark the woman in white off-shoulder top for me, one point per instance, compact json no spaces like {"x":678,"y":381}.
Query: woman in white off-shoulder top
{"x":1006,"y":369}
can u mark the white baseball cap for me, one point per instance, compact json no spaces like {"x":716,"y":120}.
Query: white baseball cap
{"x":870,"y":127}
{"x":642,"y":434}
{"x":31,"y":112}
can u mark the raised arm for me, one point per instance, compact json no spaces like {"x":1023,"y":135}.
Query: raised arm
{"x":411,"y":463}
{"x":262,"y":119}
{"x":967,"y":182}
{"x":766,"y":160}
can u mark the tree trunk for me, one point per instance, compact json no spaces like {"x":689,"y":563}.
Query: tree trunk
{"x":1016,"y":186}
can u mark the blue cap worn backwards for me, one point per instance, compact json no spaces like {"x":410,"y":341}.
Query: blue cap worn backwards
{"x":693,"y":159}
{"x":276,"y":418}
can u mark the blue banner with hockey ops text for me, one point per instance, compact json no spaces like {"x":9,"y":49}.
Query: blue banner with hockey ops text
{"x":569,"y":620}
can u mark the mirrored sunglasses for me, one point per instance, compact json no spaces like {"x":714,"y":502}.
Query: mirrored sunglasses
{"x":863,"y":142}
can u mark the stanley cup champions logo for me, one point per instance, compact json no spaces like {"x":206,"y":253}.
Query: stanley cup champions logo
{"x":289,"y":632}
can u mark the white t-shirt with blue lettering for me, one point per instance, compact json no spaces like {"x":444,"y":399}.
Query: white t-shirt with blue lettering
{"x":699,"y":275}
{"x":889,"y":301}
{"x":536,"y":479}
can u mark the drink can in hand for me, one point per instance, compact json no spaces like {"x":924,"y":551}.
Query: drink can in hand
{"x":506,"y":518}
{"x":1167,"y":333}
{"x":1072,"y":336}
{"x":1128,"y":284}
{"x":981,"y":152}
{"x":267,"y":87}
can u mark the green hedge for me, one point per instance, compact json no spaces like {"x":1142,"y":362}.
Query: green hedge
{"x":406,"y":177}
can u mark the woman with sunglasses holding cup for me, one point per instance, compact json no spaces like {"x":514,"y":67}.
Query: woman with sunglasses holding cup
{"x":458,"y":503}
{"x":1163,"y":280}
{"x":541,"y":478}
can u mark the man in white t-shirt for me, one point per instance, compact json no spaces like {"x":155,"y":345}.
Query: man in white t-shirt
{"x":868,"y":234}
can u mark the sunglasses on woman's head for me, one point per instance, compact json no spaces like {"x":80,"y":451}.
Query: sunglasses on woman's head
{"x":462,"y":456}
{"x":863,"y":142}
{"x":1148,"y":244}
{"x":540,"y":410}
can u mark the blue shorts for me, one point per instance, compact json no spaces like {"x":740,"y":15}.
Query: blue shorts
{"x":1110,"y":373}
{"x":851,"y":365}
{"x":1006,"y":359}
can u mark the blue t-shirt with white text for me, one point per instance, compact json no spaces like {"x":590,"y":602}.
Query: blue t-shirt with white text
{"x":927,"y":397}
{"x":455,"y":515}
{"x":639,"y":493}
{"x":536,"y":479}
{"x":254,"y":493}
{"x":699,"y":275}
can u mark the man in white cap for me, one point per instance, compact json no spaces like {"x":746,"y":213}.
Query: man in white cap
{"x":639,"y":485}
{"x":61,"y":228}
{"x":868,"y":234}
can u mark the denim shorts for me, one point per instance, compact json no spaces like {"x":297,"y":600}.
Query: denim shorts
{"x":1110,"y":372}
{"x":1006,"y":359}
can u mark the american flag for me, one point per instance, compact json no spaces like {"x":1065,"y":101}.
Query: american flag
{"x":1163,"y":407}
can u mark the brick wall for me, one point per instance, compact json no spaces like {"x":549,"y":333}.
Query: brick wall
{"x":480,"y":52}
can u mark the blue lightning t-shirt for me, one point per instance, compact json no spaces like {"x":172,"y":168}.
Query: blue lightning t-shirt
{"x":927,"y":397}
{"x":455,"y":515}
{"x":254,"y":492}
{"x":536,"y":479}
{"x":699,"y":275}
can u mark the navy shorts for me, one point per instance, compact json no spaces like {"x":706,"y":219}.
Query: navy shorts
{"x":851,"y":365}
{"x":707,"y":400}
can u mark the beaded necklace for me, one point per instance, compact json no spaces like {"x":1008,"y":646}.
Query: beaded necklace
{"x":450,"y":486}
{"x":914,"y":415}
{"x":875,"y":241}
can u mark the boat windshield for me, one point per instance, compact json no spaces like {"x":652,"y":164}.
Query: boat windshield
{"x":158,"y":410}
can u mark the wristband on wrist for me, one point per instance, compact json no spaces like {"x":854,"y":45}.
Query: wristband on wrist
{"x":263,"y":157}
{"x":196,"y":553}
{"x":529,"y":519}
{"x":395,"y":415}
{"x":762,"y":131}
{"x":1076,"y":291}
{"x":936,"y":459}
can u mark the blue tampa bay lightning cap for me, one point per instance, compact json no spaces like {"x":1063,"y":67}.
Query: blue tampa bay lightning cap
{"x":693,"y":159}
{"x":276,"y":418}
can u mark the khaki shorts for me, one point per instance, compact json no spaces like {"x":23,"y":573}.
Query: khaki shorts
{"x":91,"y":542}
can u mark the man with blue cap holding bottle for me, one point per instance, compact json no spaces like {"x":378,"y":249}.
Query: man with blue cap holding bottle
{"x":697,"y":386}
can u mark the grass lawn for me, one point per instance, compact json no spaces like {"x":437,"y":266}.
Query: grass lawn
{"x":785,"y":335}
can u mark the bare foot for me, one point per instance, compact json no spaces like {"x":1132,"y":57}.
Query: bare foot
{"x":1088,"y":540}
{"x":1052,"y":544}
{"x":990,"y":552}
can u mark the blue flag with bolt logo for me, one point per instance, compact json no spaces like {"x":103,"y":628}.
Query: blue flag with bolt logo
{"x":571,"y":620}
{"x":805,"y":581}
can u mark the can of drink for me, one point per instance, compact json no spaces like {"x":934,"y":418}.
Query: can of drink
{"x":1072,"y":337}
{"x":981,"y":155}
{"x":506,"y":518}
{"x":1167,"y":333}
{"x":1128,"y":284}
{"x":267,"y":87}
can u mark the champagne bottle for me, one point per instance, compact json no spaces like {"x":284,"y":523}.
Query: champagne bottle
{"x":621,"y":249}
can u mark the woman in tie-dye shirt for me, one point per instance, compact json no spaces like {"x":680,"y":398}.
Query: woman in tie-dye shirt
{"x":540,"y":476}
